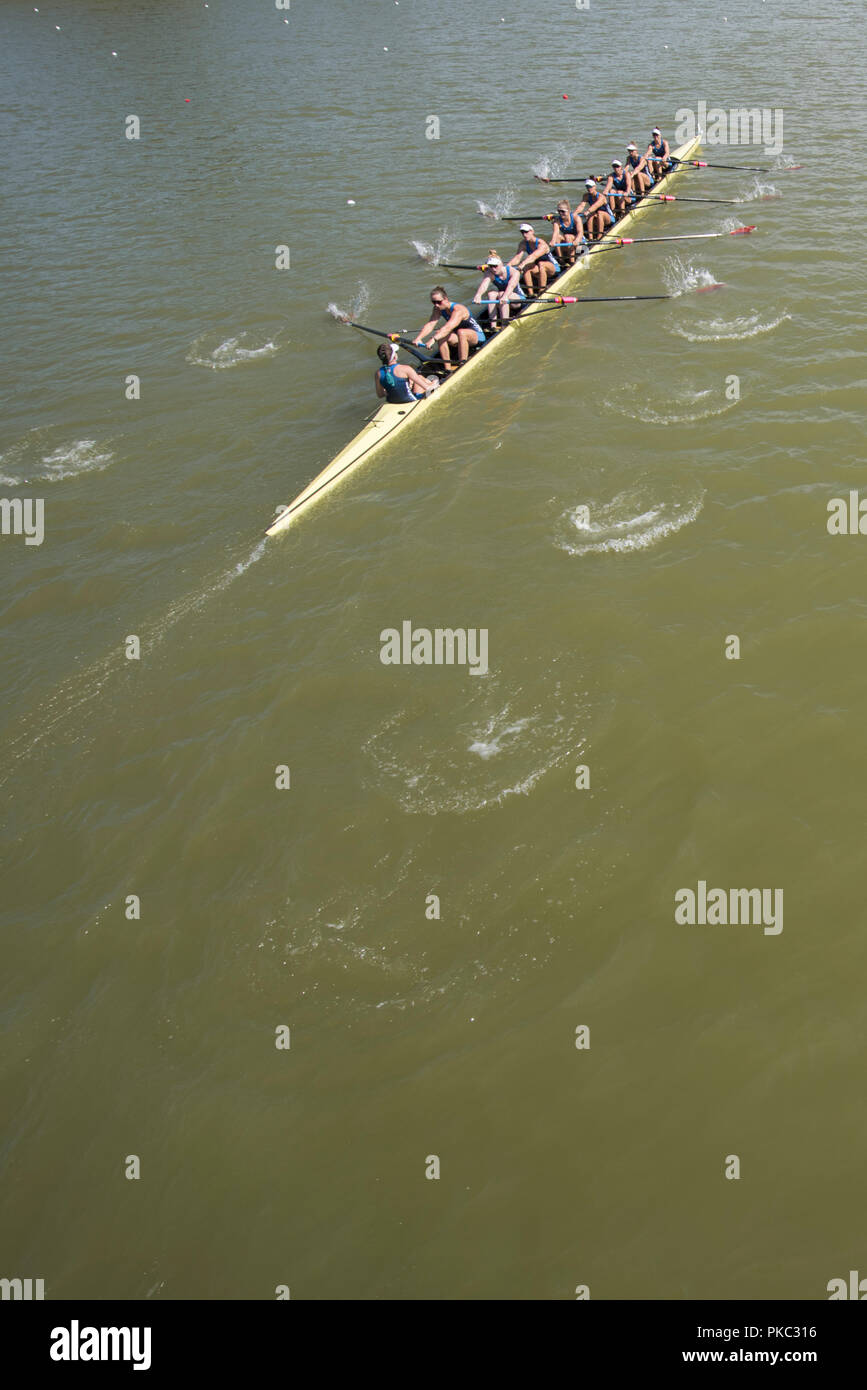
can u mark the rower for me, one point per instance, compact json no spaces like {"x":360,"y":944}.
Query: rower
{"x":534,"y":259}
{"x":618,"y":189}
{"x":567,"y":233}
{"x":598,"y":217}
{"x":460,"y":329}
{"x":398,"y":384}
{"x":503,"y":284}
{"x":639,"y":173}
{"x":658,"y":154}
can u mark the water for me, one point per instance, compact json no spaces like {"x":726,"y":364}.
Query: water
{"x":155,"y":777}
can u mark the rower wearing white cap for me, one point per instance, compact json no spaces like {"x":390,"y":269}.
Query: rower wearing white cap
{"x":567,"y":232}
{"x":399,"y":385}
{"x":534,"y":260}
{"x":597,"y":215}
{"x":502,"y":285}
{"x":618,"y":189}
{"x":638,"y":171}
{"x":658,"y":154}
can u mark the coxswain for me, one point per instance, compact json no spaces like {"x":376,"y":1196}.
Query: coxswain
{"x":594,"y":209}
{"x":397,"y":384}
{"x":567,"y":233}
{"x":502,"y":284}
{"x":658,"y":154}
{"x":618,"y":189}
{"x":534,"y":260}
{"x":638,"y":171}
{"x":460,"y":329}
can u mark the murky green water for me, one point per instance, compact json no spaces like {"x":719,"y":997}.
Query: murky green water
{"x":306,"y":907}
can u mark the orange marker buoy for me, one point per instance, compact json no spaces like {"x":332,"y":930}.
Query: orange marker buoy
{"x":565,"y":98}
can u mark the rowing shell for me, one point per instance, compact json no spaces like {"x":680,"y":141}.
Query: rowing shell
{"x":391,"y":420}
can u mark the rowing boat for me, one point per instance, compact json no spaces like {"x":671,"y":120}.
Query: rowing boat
{"x":391,"y":420}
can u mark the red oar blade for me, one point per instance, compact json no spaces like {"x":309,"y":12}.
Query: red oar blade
{"x":742,"y":231}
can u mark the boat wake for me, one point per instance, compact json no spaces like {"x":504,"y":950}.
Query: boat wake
{"x":482,"y":762}
{"x":721,"y":331}
{"x":231,"y":352}
{"x":33,"y":465}
{"x":66,"y":708}
{"x":635,"y":405}
{"x":617,"y":528}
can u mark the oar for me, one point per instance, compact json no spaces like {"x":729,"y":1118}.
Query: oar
{"x":702,"y":164}
{"x":588,"y":299}
{"x":391,"y":338}
{"x":678,"y":198}
{"x":616,"y":242}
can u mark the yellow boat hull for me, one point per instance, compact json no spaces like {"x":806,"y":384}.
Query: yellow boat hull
{"x":391,"y":420}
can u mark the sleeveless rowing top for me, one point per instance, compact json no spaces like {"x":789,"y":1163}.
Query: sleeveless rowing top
{"x":397,"y":389}
{"x":570,"y":228}
{"x":467,"y":323}
{"x":658,"y":150}
{"x":618,"y":181}
{"x":528,"y":251}
{"x":633,"y":160}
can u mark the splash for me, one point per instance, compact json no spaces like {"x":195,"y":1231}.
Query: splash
{"x":760,"y":192}
{"x":440,"y":250}
{"x":66,"y":461}
{"x":553,"y":165}
{"x":501,"y":207}
{"x":356,"y":308}
{"x":616,"y":527}
{"x":720,"y":331}
{"x":231,"y":352}
{"x":681,"y":277}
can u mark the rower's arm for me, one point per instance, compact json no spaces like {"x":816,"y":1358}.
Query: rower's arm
{"x":451,"y":326}
{"x":412,"y":376}
{"x":423,"y":332}
{"x":540,"y":251}
{"x":481,"y":290}
{"x":380,"y":389}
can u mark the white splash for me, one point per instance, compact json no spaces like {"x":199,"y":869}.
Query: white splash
{"x":681,"y":277}
{"x":357,"y":306}
{"x":440,"y":250}
{"x":501,"y":207}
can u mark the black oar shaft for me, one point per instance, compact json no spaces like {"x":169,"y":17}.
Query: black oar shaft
{"x":422,"y":356}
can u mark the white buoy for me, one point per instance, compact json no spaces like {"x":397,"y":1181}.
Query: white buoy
{"x":113,"y":54}
{"x":350,"y":202}
{"x":385,"y":50}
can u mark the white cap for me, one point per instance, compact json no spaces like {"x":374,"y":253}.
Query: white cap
{"x":656,"y":130}
{"x":632,"y":147}
{"x":616,"y":164}
{"x":494,"y":259}
{"x":589,"y":183}
{"x":525,"y":227}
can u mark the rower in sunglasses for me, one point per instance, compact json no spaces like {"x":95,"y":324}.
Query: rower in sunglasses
{"x":460,"y":329}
